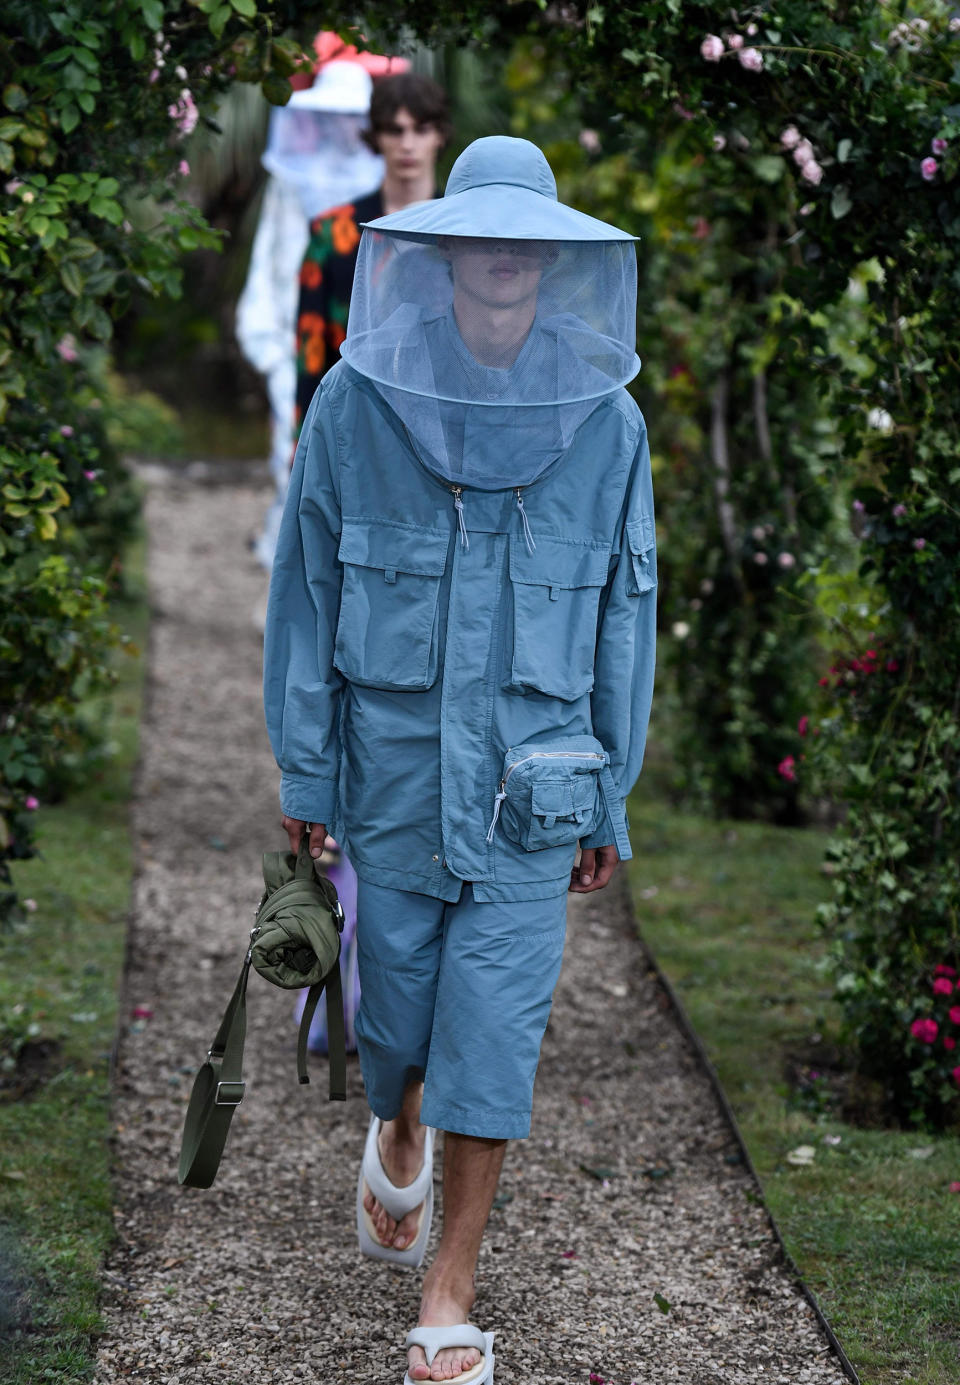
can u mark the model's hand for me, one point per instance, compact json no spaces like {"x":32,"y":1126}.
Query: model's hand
{"x":294,"y":828}
{"x":597,"y":864}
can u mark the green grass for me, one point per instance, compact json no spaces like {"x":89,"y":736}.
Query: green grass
{"x":59,"y":980}
{"x":727,"y":909}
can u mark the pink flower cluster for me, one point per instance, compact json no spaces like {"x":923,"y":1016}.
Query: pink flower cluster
{"x":929,"y":166}
{"x":928,"y":1030}
{"x":713,"y":48}
{"x":846,"y":672}
{"x":184,"y":112}
{"x":803,"y":155}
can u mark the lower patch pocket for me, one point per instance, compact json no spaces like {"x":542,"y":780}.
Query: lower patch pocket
{"x":549,"y":794}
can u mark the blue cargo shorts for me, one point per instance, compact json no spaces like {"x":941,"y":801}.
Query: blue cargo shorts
{"x":456,"y":995}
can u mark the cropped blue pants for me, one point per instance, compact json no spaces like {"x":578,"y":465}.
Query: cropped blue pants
{"x":456,"y":995}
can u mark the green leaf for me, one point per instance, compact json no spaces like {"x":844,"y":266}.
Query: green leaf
{"x":69,"y":119}
{"x":247,"y":8}
{"x":14,"y":97}
{"x":71,"y":278}
{"x":188,"y":238}
{"x":276,"y":89}
{"x":138,"y":48}
{"x":662,"y":1303}
{"x":86,"y":102}
{"x":6,"y":156}
{"x":218,"y":20}
{"x":768,"y":167}
{"x":840,"y":201}
{"x":843,"y":150}
{"x":208,"y":6}
{"x":152,"y":11}
{"x":86,"y":59}
{"x":10,"y":128}
{"x":630,"y":55}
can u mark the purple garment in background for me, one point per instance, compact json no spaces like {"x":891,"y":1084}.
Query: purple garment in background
{"x":344,"y":879}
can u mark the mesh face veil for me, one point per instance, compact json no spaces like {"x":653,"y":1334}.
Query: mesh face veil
{"x":494,"y":320}
{"x":315,"y":143}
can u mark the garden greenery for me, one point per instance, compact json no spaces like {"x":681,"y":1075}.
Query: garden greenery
{"x":772,"y":156}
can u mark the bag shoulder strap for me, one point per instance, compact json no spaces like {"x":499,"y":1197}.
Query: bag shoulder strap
{"x":218,"y":1089}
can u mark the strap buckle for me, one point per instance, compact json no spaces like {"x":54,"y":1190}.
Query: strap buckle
{"x":339,"y":917}
{"x":234,"y":1097}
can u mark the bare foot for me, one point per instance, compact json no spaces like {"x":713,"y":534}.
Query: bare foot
{"x":443,"y":1305}
{"x":401,"y":1153}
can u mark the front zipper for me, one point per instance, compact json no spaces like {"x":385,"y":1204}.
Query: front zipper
{"x":458,"y":506}
{"x":537,"y":755}
{"x":527,"y":534}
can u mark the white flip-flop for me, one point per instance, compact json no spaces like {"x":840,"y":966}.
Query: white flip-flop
{"x":464,"y":1334}
{"x":397,"y":1201}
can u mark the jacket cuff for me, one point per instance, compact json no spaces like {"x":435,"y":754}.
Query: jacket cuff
{"x":605,"y":836}
{"x":310,"y":800}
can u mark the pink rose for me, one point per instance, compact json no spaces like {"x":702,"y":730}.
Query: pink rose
{"x":154,"y":76}
{"x":949,"y":1044}
{"x":184,"y":112}
{"x":790,"y":137}
{"x":919,"y":544}
{"x":807,"y":208}
{"x":751,"y":59}
{"x":91,"y":475}
{"x":30,"y":905}
{"x":734,"y":41}
{"x":928,"y":169}
{"x":67,"y":348}
{"x":925,"y":1030}
{"x":30,"y":803}
{"x":589,"y":140}
{"x":812,"y":172}
{"x":786,"y":769}
{"x":939,"y":146}
{"x":66,"y":431}
{"x":954,"y":1013}
{"x":760,"y":559}
{"x":786,"y":561}
{"x":183,"y":168}
{"x":941,"y":969}
{"x":956,"y":1076}
{"x":803,"y":152}
{"x":899,"y":510}
{"x":803,"y":725}
{"x":711,"y":49}
{"x":943,"y":986}
{"x":719,"y":142}
{"x":859,"y":507}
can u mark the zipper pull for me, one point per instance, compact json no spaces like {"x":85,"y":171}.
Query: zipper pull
{"x":527,"y":535}
{"x":458,"y":506}
{"x":501,"y":795}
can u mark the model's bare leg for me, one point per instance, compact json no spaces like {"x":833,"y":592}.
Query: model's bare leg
{"x":471,"y":1170}
{"x":401,"y":1154}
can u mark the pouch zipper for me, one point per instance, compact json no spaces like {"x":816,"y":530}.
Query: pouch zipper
{"x":536,"y":755}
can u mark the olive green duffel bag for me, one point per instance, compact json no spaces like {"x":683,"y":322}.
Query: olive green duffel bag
{"x":295,"y":942}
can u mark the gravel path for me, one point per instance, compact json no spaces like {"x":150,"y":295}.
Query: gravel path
{"x":630,"y":1187}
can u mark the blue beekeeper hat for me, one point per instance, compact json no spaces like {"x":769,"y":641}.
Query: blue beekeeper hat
{"x":499,"y":186}
{"x":494,"y":320}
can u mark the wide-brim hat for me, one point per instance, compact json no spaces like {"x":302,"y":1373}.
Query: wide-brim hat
{"x":499,"y":187}
{"x":344,"y":87}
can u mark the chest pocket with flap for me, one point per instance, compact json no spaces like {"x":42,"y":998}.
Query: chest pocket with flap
{"x":389,"y":603}
{"x":556,"y":596}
